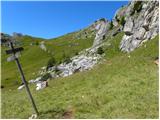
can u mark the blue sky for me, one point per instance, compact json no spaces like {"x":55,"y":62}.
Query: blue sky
{"x":49,"y":19}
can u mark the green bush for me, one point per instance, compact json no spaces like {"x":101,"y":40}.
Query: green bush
{"x":104,"y":37}
{"x":46,"y":77}
{"x":37,"y":43}
{"x":117,"y":19}
{"x":59,"y":62}
{"x":100,"y":50}
{"x":76,"y":53}
{"x":51,"y":62}
{"x":137,"y":7}
{"x":122,"y":21}
{"x":111,"y":25}
{"x":67,"y":60}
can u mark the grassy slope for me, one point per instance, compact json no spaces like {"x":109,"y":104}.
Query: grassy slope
{"x":10,"y":75}
{"x":67,"y":45}
{"x":120,"y":87}
{"x":33,"y":58}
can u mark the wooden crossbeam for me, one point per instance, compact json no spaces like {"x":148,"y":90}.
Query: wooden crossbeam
{"x":14,"y":50}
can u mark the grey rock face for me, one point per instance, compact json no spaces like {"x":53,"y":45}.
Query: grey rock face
{"x":120,"y":12}
{"x":128,"y":27}
{"x":141,"y":26}
{"x":84,"y":61}
{"x":115,"y":23}
{"x":139,"y":34}
{"x":101,"y":27}
{"x":79,"y":63}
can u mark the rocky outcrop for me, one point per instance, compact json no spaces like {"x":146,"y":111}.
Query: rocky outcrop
{"x":142,"y":24}
{"x":79,"y":63}
{"x":128,"y":27}
{"x":42,"y":46}
{"x":101,"y":27}
{"x":84,"y":61}
{"x":97,"y":31}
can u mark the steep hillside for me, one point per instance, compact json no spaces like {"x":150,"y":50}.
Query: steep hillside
{"x":33,"y":57}
{"x":120,"y":87}
{"x":105,"y":70}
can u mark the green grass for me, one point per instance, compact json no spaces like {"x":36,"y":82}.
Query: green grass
{"x":10,"y":74}
{"x":68,"y":46}
{"x":33,"y":58}
{"x":120,"y":87}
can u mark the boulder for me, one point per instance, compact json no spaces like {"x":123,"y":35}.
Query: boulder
{"x":31,"y":81}
{"x":101,"y":29}
{"x":125,"y":43}
{"x":139,"y":34}
{"x":79,"y":63}
{"x":115,"y":23}
{"x":21,"y":87}
{"x":41,"y":84}
{"x":147,"y":35}
{"x":128,"y":27}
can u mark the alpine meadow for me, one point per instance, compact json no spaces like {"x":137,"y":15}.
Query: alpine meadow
{"x":107,"y":70}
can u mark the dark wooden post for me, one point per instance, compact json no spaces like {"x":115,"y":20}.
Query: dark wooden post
{"x":13,"y":51}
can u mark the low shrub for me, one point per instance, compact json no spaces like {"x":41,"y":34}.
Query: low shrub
{"x":100,"y":50}
{"x":122,"y":21}
{"x":111,"y":25}
{"x":137,"y":7}
{"x":51,"y":62}
{"x":46,"y":77}
{"x":67,"y":60}
{"x":117,"y":19}
{"x":37,"y":43}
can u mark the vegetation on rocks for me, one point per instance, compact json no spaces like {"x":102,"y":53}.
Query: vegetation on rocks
{"x":46,"y":77}
{"x":100,"y":50}
{"x":51,"y":62}
{"x":111,"y":25}
{"x":137,"y":7}
{"x":116,"y":17}
{"x":122,"y":21}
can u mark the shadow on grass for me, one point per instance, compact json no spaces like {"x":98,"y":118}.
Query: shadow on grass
{"x":56,"y":113}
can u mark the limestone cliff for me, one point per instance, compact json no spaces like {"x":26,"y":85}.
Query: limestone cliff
{"x":141,"y":23}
